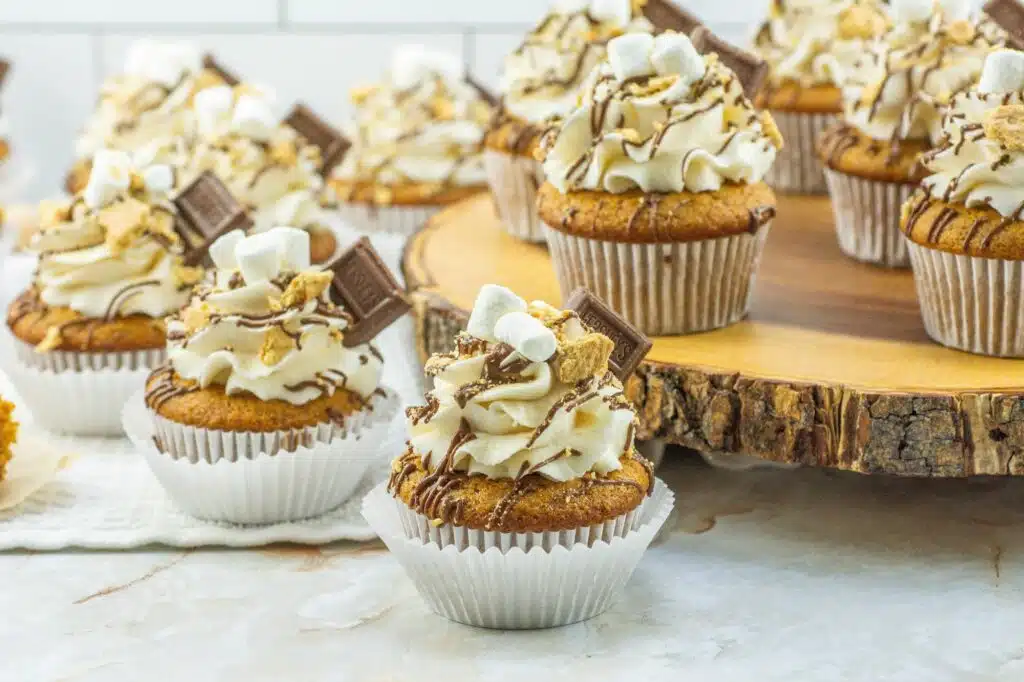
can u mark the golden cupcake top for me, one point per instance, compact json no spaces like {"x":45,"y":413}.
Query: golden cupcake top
{"x":657,"y":116}
{"x":8,"y":434}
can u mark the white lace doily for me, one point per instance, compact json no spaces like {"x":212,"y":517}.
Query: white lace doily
{"x":108,"y":499}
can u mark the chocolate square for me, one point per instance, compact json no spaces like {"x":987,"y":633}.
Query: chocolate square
{"x":211,"y":63}
{"x":749,"y":68}
{"x":331,"y":143}
{"x":631,"y":345}
{"x":5,"y":68}
{"x":208,"y":208}
{"x":368,"y":291}
{"x":1009,"y":16}
{"x":485,"y":93}
{"x":665,"y":15}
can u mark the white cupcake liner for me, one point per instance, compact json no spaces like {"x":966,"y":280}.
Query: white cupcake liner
{"x":867,"y":216}
{"x":514,"y":181}
{"x":243,"y":484}
{"x":970,"y":303}
{"x":518,"y":581}
{"x":663,"y":289}
{"x":403,"y":220}
{"x":797,"y":169}
{"x":80,"y":394}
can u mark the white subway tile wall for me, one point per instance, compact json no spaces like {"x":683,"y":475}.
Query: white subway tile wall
{"x":313,"y":50}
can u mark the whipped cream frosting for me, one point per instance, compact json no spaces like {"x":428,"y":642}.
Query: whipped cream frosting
{"x":818,"y":42}
{"x":150,"y":99}
{"x":263,"y":323}
{"x":501,"y":409}
{"x":425,"y":124}
{"x":659,"y":117}
{"x":267,"y":166}
{"x":543,"y":76}
{"x":113,"y":251}
{"x":981,"y":159}
{"x":900,"y":88}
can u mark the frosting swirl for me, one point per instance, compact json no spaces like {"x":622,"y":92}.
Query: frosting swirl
{"x":498,"y":410}
{"x":113,"y":251}
{"x":659,"y":117}
{"x":543,"y":76}
{"x":424,"y":125}
{"x":263,"y":323}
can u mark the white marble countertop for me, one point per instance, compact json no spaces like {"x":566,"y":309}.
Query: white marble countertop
{"x":766,"y":575}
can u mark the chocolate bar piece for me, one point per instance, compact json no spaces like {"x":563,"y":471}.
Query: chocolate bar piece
{"x":209,"y":62}
{"x":631,"y":345}
{"x":665,"y":15}
{"x":331,"y":143}
{"x":5,"y":68}
{"x":485,"y":93}
{"x":207,"y":207}
{"x":1009,"y":16}
{"x":750,"y":69}
{"x":368,"y":291}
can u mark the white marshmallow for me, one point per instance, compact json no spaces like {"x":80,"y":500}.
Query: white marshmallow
{"x":673,"y":53}
{"x":159,"y":179}
{"x":911,"y":11}
{"x":492,"y":303}
{"x":111,"y":174}
{"x":253,"y":118}
{"x":527,"y":335}
{"x":617,"y":12}
{"x":294,"y":248}
{"x":295,"y":208}
{"x":956,"y":9}
{"x":163,"y":63}
{"x":1003,"y":72}
{"x":222,"y":251}
{"x":630,"y":55}
{"x":413,"y":64}
{"x":265,"y":255}
{"x":211,"y":106}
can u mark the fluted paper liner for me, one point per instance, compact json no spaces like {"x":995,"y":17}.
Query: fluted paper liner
{"x":664,"y":288}
{"x":867,"y":217}
{"x":80,"y":394}
{"x":518,"y":580}
{"x":403,"y":220}
{"x":34,"y":463}
{"x":514,"y":181}
{"x":970,"y":303}
{"x":797,"y":168}
{"x":247,"y":478}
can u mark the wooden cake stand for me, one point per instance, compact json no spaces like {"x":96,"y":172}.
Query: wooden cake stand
{"x":832,"y":368}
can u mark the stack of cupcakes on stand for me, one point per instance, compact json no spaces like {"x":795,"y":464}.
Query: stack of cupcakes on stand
{"x":811,"y":47}
{"x":654,"y":197}
{"x":416,"y":144}
{"x":90,"y":326}
{"x":521,"y":501}
{"x":893,"y":105}
{"x":542,"y":79}
{"x":270,"y":406}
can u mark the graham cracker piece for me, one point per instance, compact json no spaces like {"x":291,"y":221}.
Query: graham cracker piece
{"x":124,"y":221}
{"x":305,"y":287}
{"x":1005,"y":125}
{"x":276,"y":345}
{"x":585,"y":357}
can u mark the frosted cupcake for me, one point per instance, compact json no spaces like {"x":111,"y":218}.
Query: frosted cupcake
{"x":416,"y":144}
{"x":811,"y":47}
{"x":111,"y":266}
{"x":265,"y":163}
{"x":267,"y":410}
{"x":149,"y":100}
{"x":654,"y":197}
{"x":542,"y":79}
{"x":965,"y":225}
{"x":8,"y":435}
{"x":893,"y":113}
{"x":521,"y":500}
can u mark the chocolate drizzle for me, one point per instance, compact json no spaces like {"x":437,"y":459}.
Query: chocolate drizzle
{"x":161,"y":388}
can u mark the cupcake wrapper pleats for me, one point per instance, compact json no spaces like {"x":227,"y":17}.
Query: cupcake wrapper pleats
{"x":403,"y":220}
{"x":867,"y":215}
{"x":970,"y":303}
{"x":797,"y":169}
{"x":514,"y":181}
{"x":663,"y":289}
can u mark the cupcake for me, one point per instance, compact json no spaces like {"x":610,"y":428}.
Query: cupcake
{"x":893,"y":112}
{"x":542,"y":79}
{"x":8,"y":435}
{"x":965,"y":225}
{"x":416,"y":144}
{"x":521,"y":500}
{"x":150,"y":100}
{"x":271,"y":169}
{"x":90,"y":326}
{"x":654,"y":197}
{"x":270,"y":406}
{"x":811,"y":47}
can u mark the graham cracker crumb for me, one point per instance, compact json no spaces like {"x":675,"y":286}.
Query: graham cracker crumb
{"x":305,"y":287}
{"x":584,"y":357}
{"x":195,"y":317}
{"x":123,"y":222}
{"x":276,"y":345}
{"x":859,"y":21}
{"x":186,"y":276}
{"x":1005,"y":125}
{"x":961,"y":32}
{"x":771,"y":129}
{"x":53,"y":212}
{"x":284,"y":153}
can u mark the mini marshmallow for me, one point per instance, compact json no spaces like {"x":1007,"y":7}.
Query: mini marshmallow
{"x":617,"y":12}
{"x":413,"y":64}
{"x":956,"y":9}
{"x":630,"y":55}
{"x":111,"y":174}
{"x":211,"y":105}
{"x":911,"y":11}
{"x":492,"y":303}
{"x":253,"y":118}
{"x":159,"y":179}
{"x":1003,"y":72}
{"x":222,"y":251}
{"x":295,"y":208}
{"x":163,"y":63}
{"x":527,"y":335}
{"x":673,"y":53}
{"x":265,"y":255}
